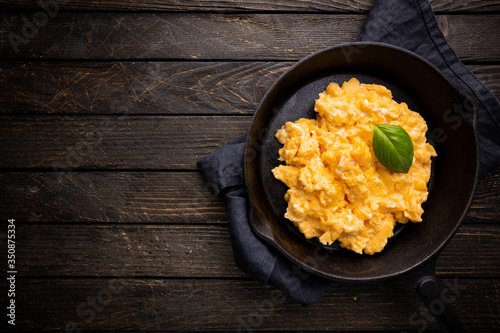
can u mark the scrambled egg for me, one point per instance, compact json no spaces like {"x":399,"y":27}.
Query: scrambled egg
{"x":338,"y":190}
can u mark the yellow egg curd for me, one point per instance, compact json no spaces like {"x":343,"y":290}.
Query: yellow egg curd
{"x":338,"y":190}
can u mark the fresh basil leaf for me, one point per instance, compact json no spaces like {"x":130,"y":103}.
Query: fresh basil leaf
{"x":393,"y":147}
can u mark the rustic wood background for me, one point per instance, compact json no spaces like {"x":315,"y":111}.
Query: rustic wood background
{"x":104,"y":111}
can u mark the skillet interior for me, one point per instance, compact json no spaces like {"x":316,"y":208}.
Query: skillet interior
{"x":411,"y":80}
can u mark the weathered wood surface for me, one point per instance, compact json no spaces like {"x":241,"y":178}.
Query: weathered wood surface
{"x":125,"y":304}
{"x":139,"y":197}
{"x":238,"y":5}
{"x":194,"y":251}
{"x":208,"y":36}
{"x":138,"y":87}
{"x":105,"y":109}
{"x":150,"y":87}
{"x":115,"y":142}
{"x":150,"y":197}
{"x":486,"y":202}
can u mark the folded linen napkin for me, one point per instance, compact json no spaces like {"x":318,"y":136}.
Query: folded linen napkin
{"x":406,"y":23}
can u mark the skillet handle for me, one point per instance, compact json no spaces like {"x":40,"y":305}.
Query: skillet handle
{"x":425,"y":283}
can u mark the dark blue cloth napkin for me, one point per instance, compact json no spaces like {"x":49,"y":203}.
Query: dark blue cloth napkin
{"x":406,"y":23}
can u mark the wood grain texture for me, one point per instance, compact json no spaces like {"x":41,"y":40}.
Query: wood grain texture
{"x":117,"y":142}
{"x":486,"y":203}
{"x":150,"y":87}
{"x":194,"y":251}
{"x":150,"y":197}
{"x":104,"y":110}
{"x":139,"y":197}
{"x":215,"y":36}
{"x":124,"y":304}
{"x":136,"y":87}
{"x":235,"y":5}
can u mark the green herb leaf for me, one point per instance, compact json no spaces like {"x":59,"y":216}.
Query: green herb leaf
{"x":393,"y":147}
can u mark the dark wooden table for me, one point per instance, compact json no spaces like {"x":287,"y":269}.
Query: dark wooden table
{"x":105,"y":108}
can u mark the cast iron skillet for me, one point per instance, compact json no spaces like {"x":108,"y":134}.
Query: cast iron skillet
{"x":451,"y":120}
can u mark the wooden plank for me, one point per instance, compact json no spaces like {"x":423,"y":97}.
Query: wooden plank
{"x":229,"y":36}
{"x":464,"y":253}
{"x":136,"y":87}
{"x":193,"y":251}
{"x":120,"y":304}
{"x":236,"y":5}
{"x":486,"y":203}
{"x":117,"y":142}
{"x":140,"y":197}
{"x":143,"y":197}
{"x":150,"y":87}
{"x":134,"y":250}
